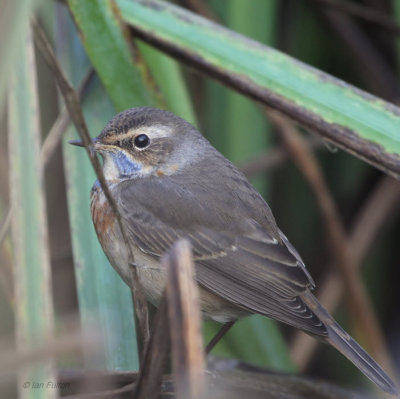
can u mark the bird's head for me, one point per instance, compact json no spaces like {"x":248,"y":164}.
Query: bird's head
{"x":144,"y":141}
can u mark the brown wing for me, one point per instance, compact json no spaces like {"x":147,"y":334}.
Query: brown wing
{"x":243,"y":261}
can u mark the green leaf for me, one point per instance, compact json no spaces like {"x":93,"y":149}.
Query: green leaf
{"x":103,"y":37}
{"x":126,"y":78}
{"x":167,"y":73}
{"x":14,"y":17}
{"x":104,"y":300}
{"x":362,"y":124}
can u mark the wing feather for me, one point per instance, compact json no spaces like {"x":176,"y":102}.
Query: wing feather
{"x":245,"y":262}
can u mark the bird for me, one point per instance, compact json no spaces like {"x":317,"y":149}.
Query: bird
{"x":168,"y":183}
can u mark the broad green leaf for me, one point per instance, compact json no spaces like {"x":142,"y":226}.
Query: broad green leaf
{"x":123,"y":73}
{"x":104,"y":300}
{"x":354,"y":120}
{"x":104,"y":39}
{"x":168,"y":76}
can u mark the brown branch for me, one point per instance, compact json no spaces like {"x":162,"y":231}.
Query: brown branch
{"x":377,"y":73}
{"x":273,"y":158}
{"x":201,"y":8}
{"x":380,"y":206}
{"x":359,"y":305}
{"x":380,"y":209}
{"x":119,"y":393}
{"x":366,"y":13}
{"x":148,"y":384}
{"x":184,"y":321}
{"x":226,"y":379}
{"x":74,"y":109}
{"x":219,"y":335}
{"x":71,"y":341}
{"x":84,"y":384}
{"x":89,"y":382}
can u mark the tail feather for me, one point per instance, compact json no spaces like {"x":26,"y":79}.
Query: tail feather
{"x":346,"y":345}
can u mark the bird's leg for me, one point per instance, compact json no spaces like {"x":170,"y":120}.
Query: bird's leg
{"x":217,"y":337}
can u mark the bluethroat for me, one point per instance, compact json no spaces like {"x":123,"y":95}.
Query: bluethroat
{"x":169,"y":183}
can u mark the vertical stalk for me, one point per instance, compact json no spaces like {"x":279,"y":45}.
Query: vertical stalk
{"x":34,"y":318}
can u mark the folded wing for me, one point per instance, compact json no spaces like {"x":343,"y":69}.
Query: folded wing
{"x":256,"y":269}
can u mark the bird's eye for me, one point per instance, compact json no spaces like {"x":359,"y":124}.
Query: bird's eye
{"x":142,"y":141}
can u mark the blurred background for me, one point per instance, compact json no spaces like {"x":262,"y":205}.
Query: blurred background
{"x":357,"y":41}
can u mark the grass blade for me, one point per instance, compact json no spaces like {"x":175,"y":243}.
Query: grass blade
{"x":33,"y":291}
{"x":13,"y":18}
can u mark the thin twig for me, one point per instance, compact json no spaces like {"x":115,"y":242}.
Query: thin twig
{"x":381,"y":205}
{"x":79,"y":383}
{"x":6,"y":268}
{"x":73,"y":106}
{"x":69,"y":342}
{"x":5,"y":225}
{"x":56,"y":132}
{"x":358,"y":301}
{"x":361,"y":11}
{"x":377,"y":73}
{"x":379,"y":210}
{"x":202,"y":8}
{"x":75,"y":376}
{"x":218,"y":336}
{"x":119,"y":393}
{"x":273,"y":158}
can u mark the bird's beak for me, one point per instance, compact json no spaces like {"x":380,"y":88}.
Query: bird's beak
{"x":79,"y":143}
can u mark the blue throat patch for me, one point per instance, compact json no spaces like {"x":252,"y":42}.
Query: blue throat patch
{"x":126,"y":167}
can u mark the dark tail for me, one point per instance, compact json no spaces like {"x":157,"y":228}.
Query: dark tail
{"x":342,"y":341}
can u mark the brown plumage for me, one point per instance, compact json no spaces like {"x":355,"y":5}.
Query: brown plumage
{"x":178,"y":185}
